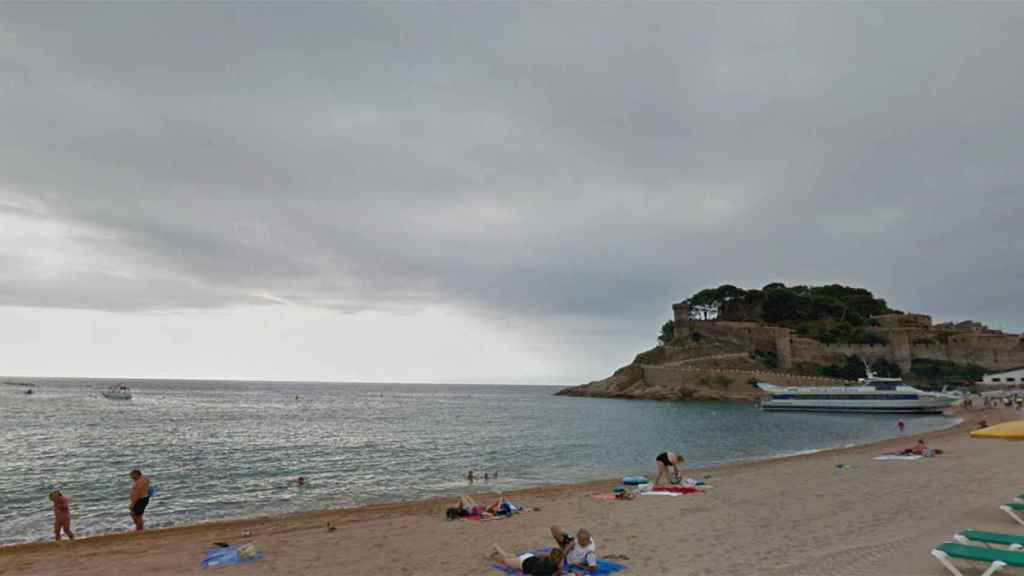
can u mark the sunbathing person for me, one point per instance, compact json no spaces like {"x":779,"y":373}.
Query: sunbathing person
{"x":664,"y":460}
{"x":920,"y":449}
{"x":549,"y":564}
{"x":500,"y":506}
{"x":471,"y":506}
{"x":579,"y":552}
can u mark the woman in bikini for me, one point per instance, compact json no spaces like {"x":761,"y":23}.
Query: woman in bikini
{"x":664,"y":460}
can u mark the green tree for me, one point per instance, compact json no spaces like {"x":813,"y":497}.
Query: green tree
{"x":668,"y":332}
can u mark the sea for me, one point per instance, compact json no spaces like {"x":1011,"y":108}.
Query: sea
{"x":223,"y":450}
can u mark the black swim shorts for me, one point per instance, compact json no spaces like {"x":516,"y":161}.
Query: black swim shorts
{"x":139,"y":508}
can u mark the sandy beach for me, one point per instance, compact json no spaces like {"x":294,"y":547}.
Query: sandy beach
{"x":838,"y":512}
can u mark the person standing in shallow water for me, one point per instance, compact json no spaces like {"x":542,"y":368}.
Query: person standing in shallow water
{"x":139,"y":498}
{"x":61,"y":515}
{"x":901,"y":425}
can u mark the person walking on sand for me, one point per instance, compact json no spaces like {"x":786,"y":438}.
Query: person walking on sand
{"x":139,"y":498}
{"x":61,"y":515}
{"x":664,"y":460}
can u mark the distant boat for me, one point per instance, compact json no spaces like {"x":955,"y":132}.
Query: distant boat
{"x":873,"y":394}
{"x":29,"y":391}
{"x":118,"y":392}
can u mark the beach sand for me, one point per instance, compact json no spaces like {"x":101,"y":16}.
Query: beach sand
{"x":795,"y":516}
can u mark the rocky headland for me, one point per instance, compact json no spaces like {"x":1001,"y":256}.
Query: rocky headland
{"x":724,"y":340}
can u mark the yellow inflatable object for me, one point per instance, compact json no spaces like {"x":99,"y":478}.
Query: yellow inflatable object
{"x":1006,"y":431}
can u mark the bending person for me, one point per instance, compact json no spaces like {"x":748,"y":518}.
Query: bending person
{"x":549,"y":564}
{"x":664,"y":460}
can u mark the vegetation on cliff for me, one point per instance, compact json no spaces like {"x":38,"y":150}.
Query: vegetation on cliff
{"x":830,"y":314}
{"x":923,"y":372}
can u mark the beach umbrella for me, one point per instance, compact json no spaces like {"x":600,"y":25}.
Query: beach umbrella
{"x":1006,"y":431}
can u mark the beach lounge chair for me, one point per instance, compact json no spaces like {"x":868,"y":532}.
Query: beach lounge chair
{"x":996,"y":559}
{"x":1012,"y":509}
{"x":1013,"y":542}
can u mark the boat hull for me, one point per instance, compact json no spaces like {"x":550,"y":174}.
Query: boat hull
{"x":774,"y":407}
{"x":888,"y":398}
{"x":116,"y":396}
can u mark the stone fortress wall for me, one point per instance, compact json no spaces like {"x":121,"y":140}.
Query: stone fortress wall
{"x":909,"y":336}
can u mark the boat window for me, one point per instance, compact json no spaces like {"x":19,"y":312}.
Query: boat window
{"x":845,"y":396}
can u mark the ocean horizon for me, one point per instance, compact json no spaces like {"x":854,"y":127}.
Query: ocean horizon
{"x":220,"y":450}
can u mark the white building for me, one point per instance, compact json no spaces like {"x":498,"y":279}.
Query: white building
{"x":1004,"y":379}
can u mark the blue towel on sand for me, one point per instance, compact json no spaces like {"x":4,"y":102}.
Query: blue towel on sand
{"x":226,"y":557}
{"x":603,"y":566}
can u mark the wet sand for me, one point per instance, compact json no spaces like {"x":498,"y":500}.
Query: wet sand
{"x":802,"y":515}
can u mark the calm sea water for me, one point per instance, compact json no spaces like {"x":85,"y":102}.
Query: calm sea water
{"x":227,"y":449}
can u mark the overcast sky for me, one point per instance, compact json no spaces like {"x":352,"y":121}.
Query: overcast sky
{"x":486,"y":192}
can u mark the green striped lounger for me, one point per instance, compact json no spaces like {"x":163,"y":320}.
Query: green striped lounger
{"x":996,"y":559}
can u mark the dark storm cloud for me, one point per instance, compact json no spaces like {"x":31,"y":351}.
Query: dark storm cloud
{"x":593,"y":160}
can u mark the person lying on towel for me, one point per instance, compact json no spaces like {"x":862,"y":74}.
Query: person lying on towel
{"x":467,"y":506}
{"x":580,"y":552}
{"x":549,"y":564}
{"x":921,"y":450}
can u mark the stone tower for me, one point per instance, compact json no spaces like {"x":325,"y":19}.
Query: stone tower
{"x":681,"y":319}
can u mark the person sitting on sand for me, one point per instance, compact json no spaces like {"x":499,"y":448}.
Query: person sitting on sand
{"x":579,"y":552}
{"x":920,"y":449}
{"x":982,"y":424}
{"x":549,"y":564}
{"x":139,"y":498}
{"x":61,"y":515}
{"x":502,"y":506}
{"x":664,"y":460}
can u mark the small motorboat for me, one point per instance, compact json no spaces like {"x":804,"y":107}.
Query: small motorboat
{"x":119,"y":392}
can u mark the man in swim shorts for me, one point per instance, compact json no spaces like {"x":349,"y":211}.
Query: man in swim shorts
{"x":664,"y":460}
{"x":139,"y":498}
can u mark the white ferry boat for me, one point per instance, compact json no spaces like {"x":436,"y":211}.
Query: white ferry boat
{"x":871,"y":394}
{"x":121,"y":392}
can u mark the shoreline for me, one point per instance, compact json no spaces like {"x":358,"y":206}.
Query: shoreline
{"x":435,"y":506}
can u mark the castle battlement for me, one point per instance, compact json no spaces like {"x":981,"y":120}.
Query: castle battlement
{"x":908,"y":337}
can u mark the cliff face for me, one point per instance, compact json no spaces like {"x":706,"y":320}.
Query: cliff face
{"x":720,"y":360}
{"x":712,"y":370}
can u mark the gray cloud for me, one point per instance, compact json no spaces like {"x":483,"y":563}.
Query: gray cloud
{"x":597,"y":161}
